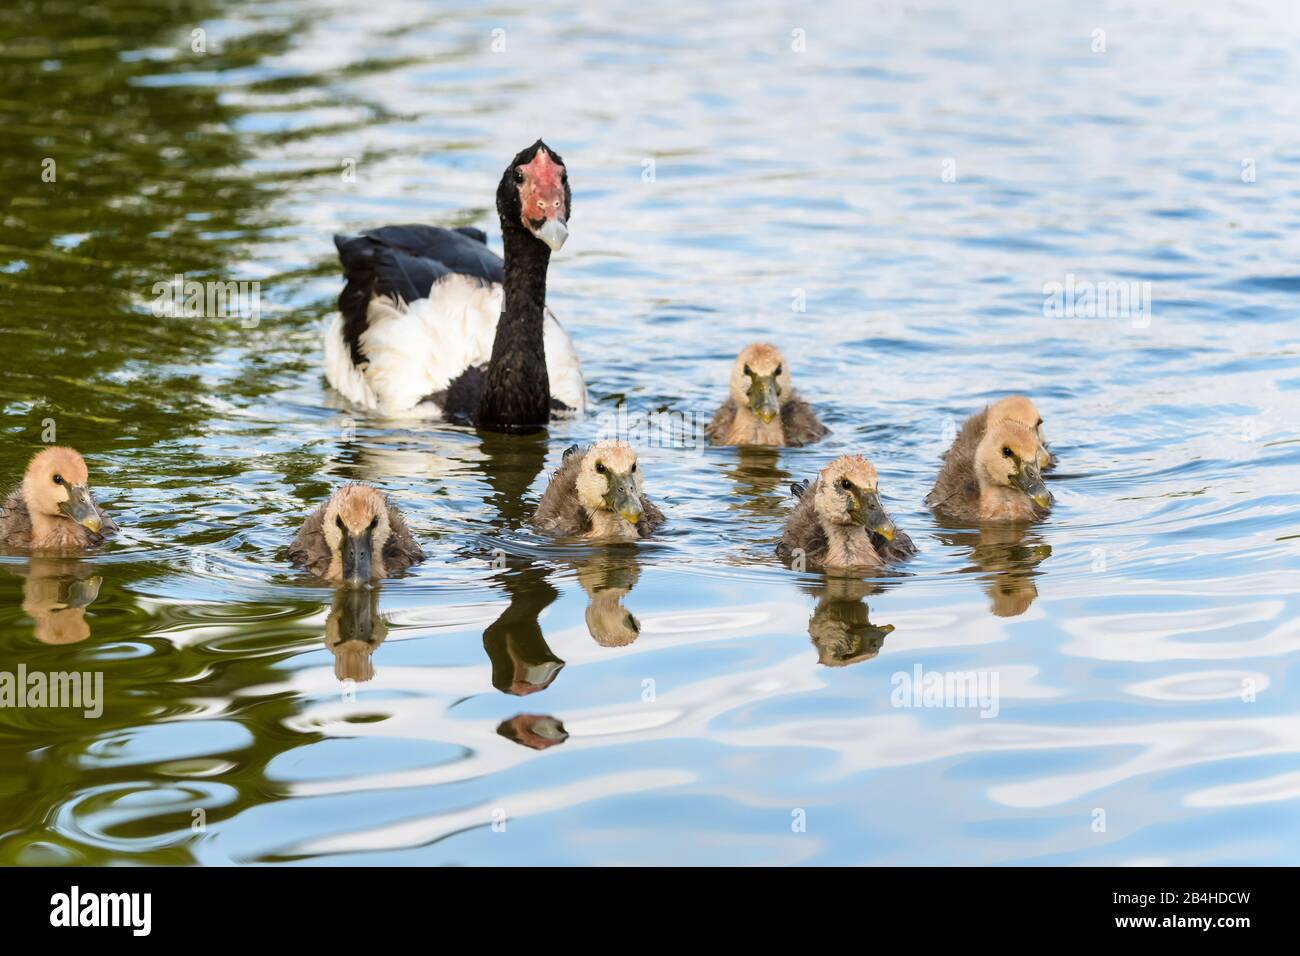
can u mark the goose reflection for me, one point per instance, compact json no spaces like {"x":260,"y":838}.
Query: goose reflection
{"x":1006,"y":557}
{"x":353,"y":629}
{"x":535,"y":731}
{"x":608,"y":578}
{"x":759,"y":482}
{"x":840,"y":626}
{"x":56,"y":593}
{"x":522,"y":662}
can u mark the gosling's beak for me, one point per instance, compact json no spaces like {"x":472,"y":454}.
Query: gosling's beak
{"x":623,"y":499}
{"x":1030,"y":481}
{"x":357,"y":551}
{"x":879,"y":523}
{"x":873,"y":517}
{"x":553,"y":232}
{"x":762,"y":399}
{"x":81,"y":509}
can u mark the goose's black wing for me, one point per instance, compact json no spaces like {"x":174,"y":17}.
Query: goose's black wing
{"x":405,"y":262}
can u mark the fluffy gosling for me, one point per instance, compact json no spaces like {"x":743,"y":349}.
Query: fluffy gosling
{"x":53,"y":509}
{"x":992,"y":477}
{"x":840,"y":522}
{"x":597,"y":493}
{"x":763,"y":408}
{"x":354,"y":538}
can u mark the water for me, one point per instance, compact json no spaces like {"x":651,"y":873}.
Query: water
{"x":912,"y":180}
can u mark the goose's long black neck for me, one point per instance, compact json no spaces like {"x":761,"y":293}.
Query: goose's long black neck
{"x":516,"y":391}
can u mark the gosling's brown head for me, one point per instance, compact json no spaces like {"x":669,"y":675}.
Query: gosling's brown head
{"x":1019,"y":409}
{"x":57,"y":484}
{"x":1007,"y":457}
{"x":847,"y":494}
{"x":534,"y":195}
{"x":356,"y":529}
{"x":760,"y":380}
{"x":609,"y":479}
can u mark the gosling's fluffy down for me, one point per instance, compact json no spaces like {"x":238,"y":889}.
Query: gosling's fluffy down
{"x":839,"y":522}
{"x":761,"y":386}
{"x":597,"y":492}
{"x":318,"y":546}
{"x":979,"y":481}
{"x":43,"y":514}
{"x":1016,"y":408}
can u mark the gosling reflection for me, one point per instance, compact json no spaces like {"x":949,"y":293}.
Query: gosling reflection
{"x":840,"y":626}
{"x":353,"y":629}
{"x":608,"y":578}
{"x":1007,"y":557}
{"x":56,"y":593}
{"x":522,"y":662}
{"x":759,"y":482}
{"x":535,"y":731}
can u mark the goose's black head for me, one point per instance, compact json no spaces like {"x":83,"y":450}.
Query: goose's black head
{"x":534,"y":195}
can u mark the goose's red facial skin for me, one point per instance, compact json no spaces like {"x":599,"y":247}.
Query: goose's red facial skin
{"x":541,"y":194}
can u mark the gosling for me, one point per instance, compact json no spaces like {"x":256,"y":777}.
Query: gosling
{"x":992,"y":477}
{"x":1015,"y":408}
{"x":840,"y":522}
{"x":53,"y":509}
{"x":763,"y":408}
{"x":354,"y":538}
{"x":597,"y":493}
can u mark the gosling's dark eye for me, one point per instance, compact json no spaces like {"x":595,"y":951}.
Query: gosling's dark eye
{"x":339,"y":521}
{"x":634,"y":466}
{"x":374,"y":522}
{"x":749,"y":371}
{"x":778,"y":370}
{"x":519,"y":174}
{"x":600,"y":468}
{"x":58,"y":479}
{"x":1038,"y":424}
{"x":1008,"y":453}
{"x":845,"y":484}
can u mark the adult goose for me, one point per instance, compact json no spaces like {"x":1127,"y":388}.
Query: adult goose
{"x":433,"y":324}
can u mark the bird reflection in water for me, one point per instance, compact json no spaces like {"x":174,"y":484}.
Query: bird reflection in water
{"x":522,"y":662}
{"x":759,"y":482}
{"x":535,"y":731}
{"x":608,"y":578}
{"x":840,"y":627}
{"x":56,"y":593}
{"x":1006,"y":557}
{"x":353,"y":629}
